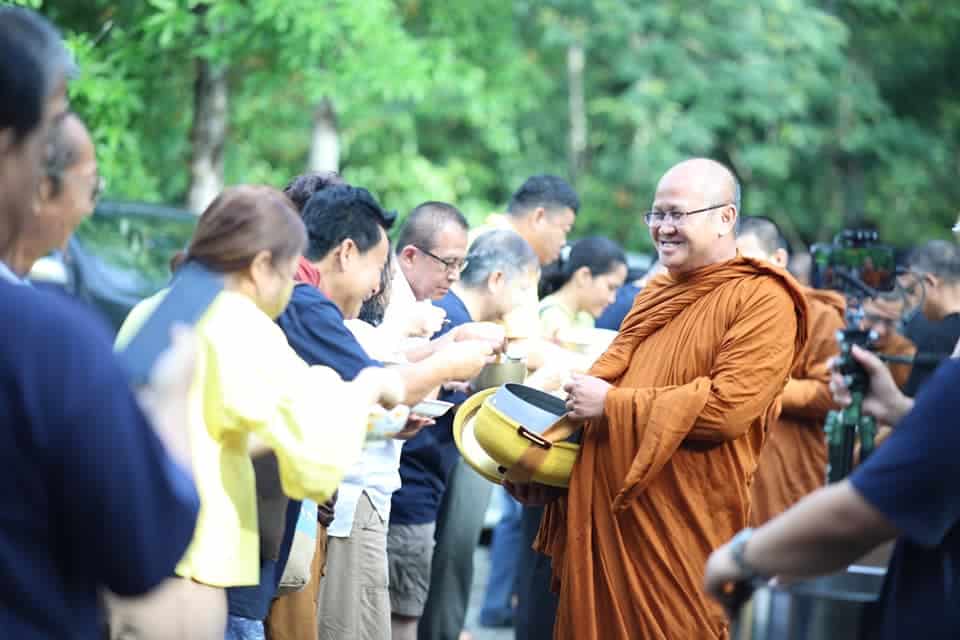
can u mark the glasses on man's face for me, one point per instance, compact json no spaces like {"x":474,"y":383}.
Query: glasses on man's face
{"x":450,"y":265}
{"x":96,"y":189}
{"x":675,"y":218}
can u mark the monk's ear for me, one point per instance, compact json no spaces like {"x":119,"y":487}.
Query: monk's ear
{"x":728,"y":220}
{"x":780,"y":258}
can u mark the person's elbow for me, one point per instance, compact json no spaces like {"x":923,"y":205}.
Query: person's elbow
{"x":154,"y":545}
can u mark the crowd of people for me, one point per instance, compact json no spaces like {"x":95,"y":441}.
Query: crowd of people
{"x":239,"y":494}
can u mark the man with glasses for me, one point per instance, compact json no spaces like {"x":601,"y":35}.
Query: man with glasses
{"x":933,"y":287}
{"x":676,"y":412}
{"x":67,"y":193}
{"x":430,"y":252}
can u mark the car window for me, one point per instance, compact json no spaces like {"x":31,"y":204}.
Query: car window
{"x":132,"y":251}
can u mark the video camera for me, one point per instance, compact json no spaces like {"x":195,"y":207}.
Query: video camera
{"x":855,"y":264}
{"x":859,"y":267}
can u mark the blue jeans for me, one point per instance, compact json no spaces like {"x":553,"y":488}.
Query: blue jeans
{"x":505,"y":548}
{"x":244,"y":629}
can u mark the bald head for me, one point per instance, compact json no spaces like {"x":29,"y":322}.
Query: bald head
{"x":695,"y":213}
{"x":711,"y":180}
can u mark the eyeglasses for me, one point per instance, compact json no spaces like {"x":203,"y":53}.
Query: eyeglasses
{"x":676,"y":218}
{"x":451,"y":265}
{"x":96,"y":190}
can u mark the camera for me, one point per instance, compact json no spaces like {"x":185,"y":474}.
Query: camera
{"x":855,"y":264}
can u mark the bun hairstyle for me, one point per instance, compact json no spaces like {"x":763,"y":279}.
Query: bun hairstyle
{"x":600,"y":255}
{"x":304,"y":186}
{"x":240,"y":223}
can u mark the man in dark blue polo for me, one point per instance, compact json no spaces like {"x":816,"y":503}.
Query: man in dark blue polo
{"x":907,"y":490}
{"x":89,"y":496}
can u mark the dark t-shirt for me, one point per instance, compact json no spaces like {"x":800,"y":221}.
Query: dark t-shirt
{"x":89,"y":497}
{"x":612,"y":317}
{"x":913,"y":480}
{"x":314,"y":328}
{"x":429,"y":456}
{"x":932,"y":339}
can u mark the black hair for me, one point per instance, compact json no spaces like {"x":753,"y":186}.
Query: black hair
{"x":421,"y":227}
{"x":340,"y":212}
{"x":766,"y":232}
{"x":549,"y":192}
{"x":32,"y":57}
{"x":598,"y":254}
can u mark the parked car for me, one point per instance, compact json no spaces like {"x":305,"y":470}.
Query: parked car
{"x":118,"y":256}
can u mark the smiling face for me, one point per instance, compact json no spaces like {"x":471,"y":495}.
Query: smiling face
{"x":687,"y":242}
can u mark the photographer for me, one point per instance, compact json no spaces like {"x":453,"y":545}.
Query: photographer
{"x":906,"y":490}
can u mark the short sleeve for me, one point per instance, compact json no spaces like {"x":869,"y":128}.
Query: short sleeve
{"x":911,"y":478}
{"x":314,"y":328}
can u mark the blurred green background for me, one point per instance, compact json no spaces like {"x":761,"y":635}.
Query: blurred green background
{"x":832,"y":113}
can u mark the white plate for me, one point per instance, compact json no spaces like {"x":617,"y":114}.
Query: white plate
{"x":432,"y":408}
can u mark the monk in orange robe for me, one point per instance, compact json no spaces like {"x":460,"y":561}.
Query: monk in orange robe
{"x":794,"y":459}
{"x":676,"y":413}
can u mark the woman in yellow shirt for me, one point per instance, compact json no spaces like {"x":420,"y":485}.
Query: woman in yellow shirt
{"x":250,"y":391}
{"x":580,"y":286}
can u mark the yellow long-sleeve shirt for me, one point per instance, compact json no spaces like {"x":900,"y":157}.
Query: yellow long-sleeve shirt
{"x":249,"y":381}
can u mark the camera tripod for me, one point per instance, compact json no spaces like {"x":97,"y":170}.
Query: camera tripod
{"x":845,"y":426}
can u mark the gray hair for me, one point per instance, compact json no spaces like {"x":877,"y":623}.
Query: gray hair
{"x":62,"y":151}
{"x":937,"y":257}
{"x":501,"y":250}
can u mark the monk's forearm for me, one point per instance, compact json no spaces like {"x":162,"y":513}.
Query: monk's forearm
{"x":808,"y":398}
{"x":825,"y":532}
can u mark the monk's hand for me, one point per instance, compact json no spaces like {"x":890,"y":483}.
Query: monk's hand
{"x":586,"y":396}
{"x":724,"y":581}
{"x":533,"y":494}
{"x":883,"y":400}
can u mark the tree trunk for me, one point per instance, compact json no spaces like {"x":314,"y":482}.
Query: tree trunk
{"x":325,"y":142}
{"x":578,"y":111}
{"x":208,"y":134}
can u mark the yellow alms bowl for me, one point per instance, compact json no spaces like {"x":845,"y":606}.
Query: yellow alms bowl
{"x":492,"y":442}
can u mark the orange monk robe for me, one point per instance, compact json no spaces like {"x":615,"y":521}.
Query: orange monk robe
{"x":794,"y":459}
{"x":663,"y":477}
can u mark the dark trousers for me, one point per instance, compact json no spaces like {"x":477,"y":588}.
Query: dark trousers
{"x":537,"y":604}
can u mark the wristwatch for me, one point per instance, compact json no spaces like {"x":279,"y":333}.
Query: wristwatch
{"x":738,"y":548}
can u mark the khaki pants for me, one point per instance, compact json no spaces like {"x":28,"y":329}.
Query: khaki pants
{"x":354,"y":602}
{"x":294,"y":616}
{"x":178,"y":609}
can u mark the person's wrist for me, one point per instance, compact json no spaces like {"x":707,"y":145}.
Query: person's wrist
{"x":738,"y":553}
{"x":902,"y":404}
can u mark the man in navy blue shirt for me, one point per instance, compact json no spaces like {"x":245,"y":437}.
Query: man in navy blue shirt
{"x":907,"y":490}
{"x":345,"y":257}
{"x":89,"y":496}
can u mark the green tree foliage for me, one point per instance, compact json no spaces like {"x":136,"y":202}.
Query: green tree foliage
{"x":833,"y":114}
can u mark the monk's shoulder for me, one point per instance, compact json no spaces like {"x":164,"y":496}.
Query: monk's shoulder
{"x":763,"y":290}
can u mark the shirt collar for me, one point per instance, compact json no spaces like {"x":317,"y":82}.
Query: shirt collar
{"x":6,"y":273}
